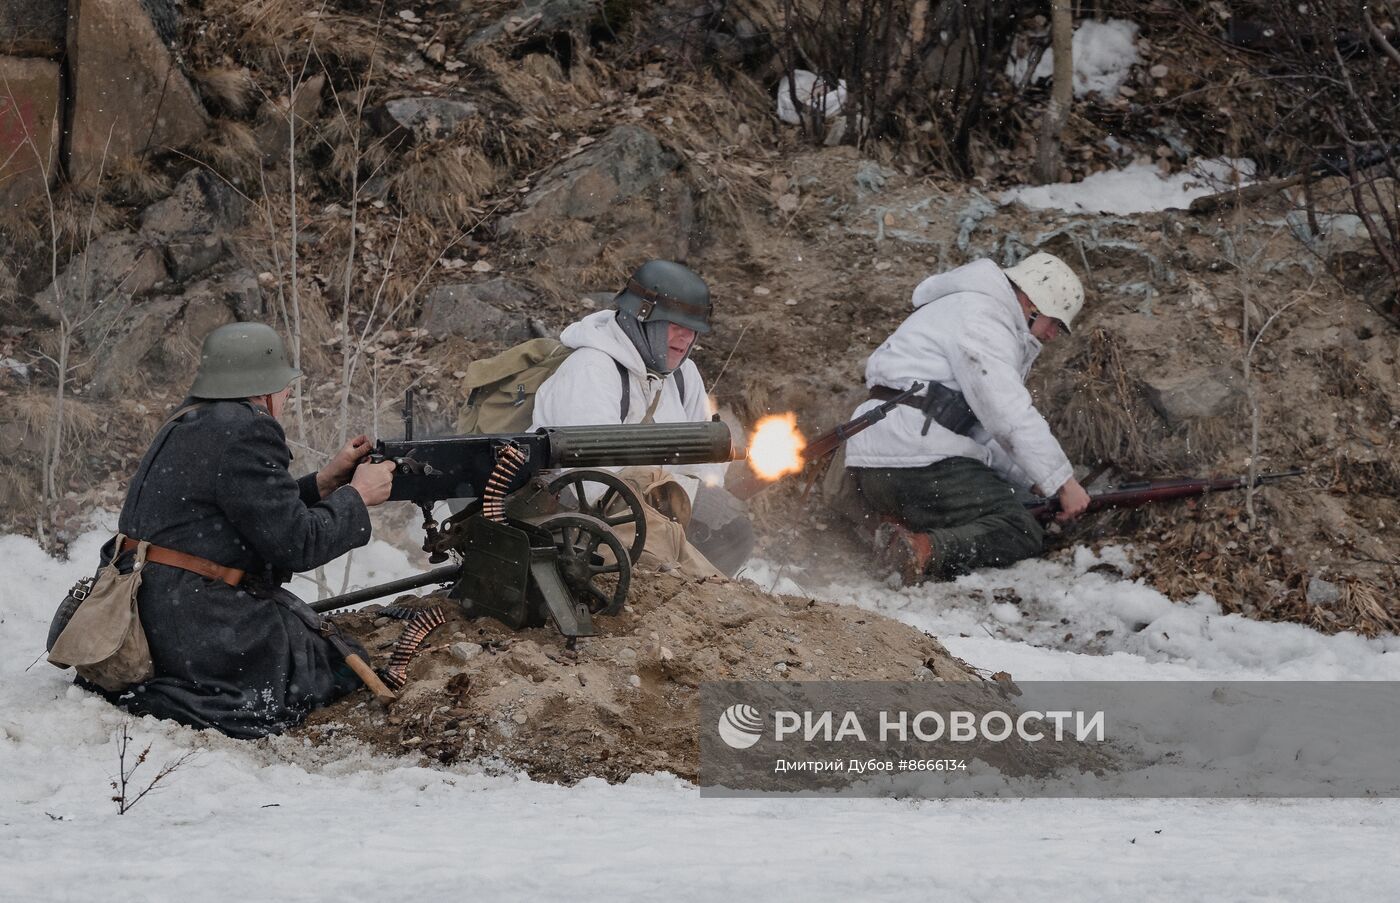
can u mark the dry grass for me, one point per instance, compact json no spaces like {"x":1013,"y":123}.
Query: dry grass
{"x":1101,"y":415}
{"x":537,"y":84}
{"x":1095,"y":403}
{"x":231,"y":150}
{"x":718,"y":128}
{"x":1362,"y":607}
{"x":80,"y":212}
{"x":135,"y":182}
{"x":227,"y":90}
{"x":180,"y":351}
{"x":28,"y":234}
{"x":442,"y":181}
{"x":337,"y":133}
{"x":1377,"y":476}
{"x":264,"y":32}
{"x":1345,"y":377}
{"x":33,"y":411}
{"x":20,"y":228}
{"x":19,"y":492}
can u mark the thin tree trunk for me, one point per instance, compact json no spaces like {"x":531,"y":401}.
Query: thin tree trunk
{"x":1047,"y":158}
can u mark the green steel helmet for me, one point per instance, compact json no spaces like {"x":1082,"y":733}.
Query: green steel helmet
{"x":663,"y":290}
{"x":242,"y":360}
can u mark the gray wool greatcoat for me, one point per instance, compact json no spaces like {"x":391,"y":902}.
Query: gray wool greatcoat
{"x":245,"y":660}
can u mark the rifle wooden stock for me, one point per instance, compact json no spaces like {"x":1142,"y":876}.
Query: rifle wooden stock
{"x":826,"y":444}
{"x":1135,"y":495}
{"x":817,"y":456}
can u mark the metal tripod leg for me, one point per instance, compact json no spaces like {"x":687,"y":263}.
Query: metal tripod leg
{"x":572,"y":618}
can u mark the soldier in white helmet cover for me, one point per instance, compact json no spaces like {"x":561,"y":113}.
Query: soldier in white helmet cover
{"x":946,"y":470}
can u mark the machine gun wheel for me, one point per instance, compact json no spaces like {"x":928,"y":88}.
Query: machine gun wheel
{"x":617,"y":506}
{"x":591,"y":578}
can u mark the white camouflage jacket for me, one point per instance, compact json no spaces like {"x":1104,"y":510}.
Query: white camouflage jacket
{"x":586,"y":390}
{"x":967,"y":332}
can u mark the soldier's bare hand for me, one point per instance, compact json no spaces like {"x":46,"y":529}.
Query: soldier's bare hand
{"x":1074,"y":501}
{"x":339,"y":469}
{"x":373,"y":482}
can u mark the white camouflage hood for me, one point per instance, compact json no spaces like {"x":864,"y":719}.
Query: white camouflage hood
{"x":600,"y":331}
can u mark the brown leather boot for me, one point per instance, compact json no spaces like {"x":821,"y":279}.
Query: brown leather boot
{"x":908,"y":552}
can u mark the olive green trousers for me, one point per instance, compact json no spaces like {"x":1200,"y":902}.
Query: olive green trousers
{"x":974,"y":518}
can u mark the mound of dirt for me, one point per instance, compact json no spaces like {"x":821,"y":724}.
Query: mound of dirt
{"x":623,"y":702}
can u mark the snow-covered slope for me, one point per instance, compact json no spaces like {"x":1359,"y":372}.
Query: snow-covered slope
{"x":276,"y":820}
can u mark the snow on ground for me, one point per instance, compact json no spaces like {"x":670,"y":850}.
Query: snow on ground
{"x":1136,"y":188}
{"x":274,"y":819}
{"x":1080,"y":620}
{"x":1104,"y":53}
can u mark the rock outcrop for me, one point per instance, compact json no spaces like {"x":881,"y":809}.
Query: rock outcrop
{"x":129,"y":97}
{"x":194,"y":222}
{"x":33,"y":27}
{"x":493,"y":310}
{"x":624,"y":188}
{"x":31,"y":105}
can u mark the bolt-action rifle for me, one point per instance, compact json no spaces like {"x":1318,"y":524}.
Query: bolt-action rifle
{"x":821,"y":451}
{"x":1146,"y":492}
{"x":825,"y":445}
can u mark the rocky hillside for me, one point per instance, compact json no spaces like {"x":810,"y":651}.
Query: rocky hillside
{"x":403,"y":188}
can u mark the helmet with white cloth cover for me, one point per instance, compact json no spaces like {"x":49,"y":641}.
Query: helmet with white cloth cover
{"x":1050,"y":285}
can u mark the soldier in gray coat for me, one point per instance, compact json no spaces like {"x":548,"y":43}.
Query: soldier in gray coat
{"x":214,"y":496}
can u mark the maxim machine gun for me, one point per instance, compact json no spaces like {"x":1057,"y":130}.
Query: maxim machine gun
{"x":530,"y":548}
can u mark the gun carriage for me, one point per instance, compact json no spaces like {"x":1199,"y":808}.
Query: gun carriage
{"x":531,"y":545}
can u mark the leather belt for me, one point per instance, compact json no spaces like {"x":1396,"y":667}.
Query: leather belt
{"x":192,"y":563}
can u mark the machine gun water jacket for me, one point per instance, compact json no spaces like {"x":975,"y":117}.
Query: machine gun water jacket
{"x":247,"y":659}
{"x":967,"y":333}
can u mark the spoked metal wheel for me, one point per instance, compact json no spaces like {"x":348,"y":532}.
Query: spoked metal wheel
{"x":591,"y":577}
{"x":615,"y":503}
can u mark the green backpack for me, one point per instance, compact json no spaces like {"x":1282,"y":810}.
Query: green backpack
{"x":501,"y":390}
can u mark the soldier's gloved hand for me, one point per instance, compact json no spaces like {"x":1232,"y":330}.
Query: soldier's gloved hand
{"x":373,"y":482}
{"x":1074,"y":501}
{"x":338,"y":470}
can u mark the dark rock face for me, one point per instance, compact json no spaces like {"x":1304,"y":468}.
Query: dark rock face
{"x":625,"y":190}
{"x":409,"y":120}
{"x":30,"y":115}
{"x":106,"y":278}
{"x":136,"y":332}
{"x":193,"y":222}
{"x":1199,"y":395}
{"x":164,"y":16}
{"x":33,"y":27}
{"x":129,"y":95}
{"x":491,"y":311}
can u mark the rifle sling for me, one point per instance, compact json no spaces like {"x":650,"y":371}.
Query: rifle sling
{"x":940,"y":404}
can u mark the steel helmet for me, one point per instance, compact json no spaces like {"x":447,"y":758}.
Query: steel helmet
{"x":1050,"y":284}
{"x":242,"y":360}
{"x":657,"y":293}
{"x":663,"y":290}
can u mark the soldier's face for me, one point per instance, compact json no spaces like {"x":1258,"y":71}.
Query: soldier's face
{"x":678,"y":341}
{"x":1047,"y":329}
